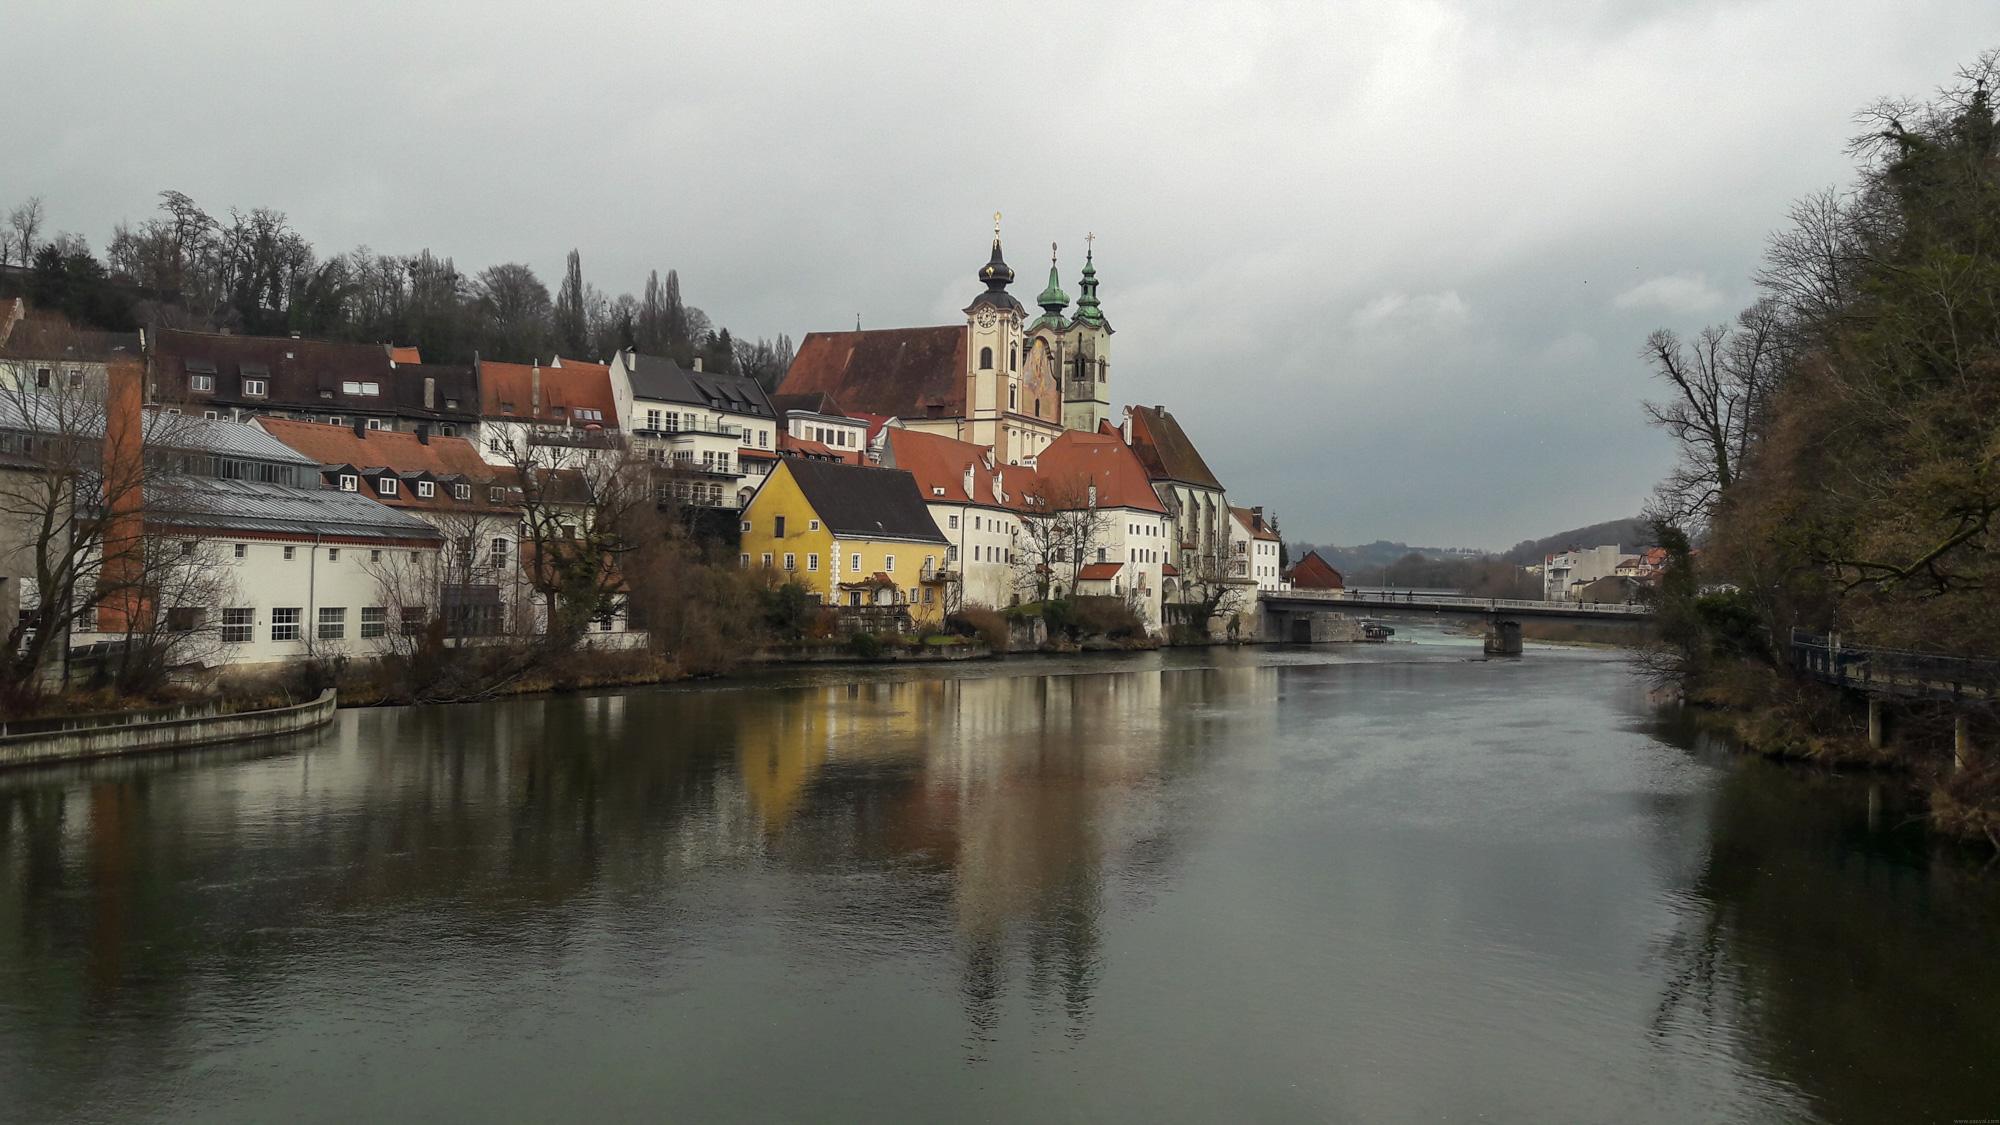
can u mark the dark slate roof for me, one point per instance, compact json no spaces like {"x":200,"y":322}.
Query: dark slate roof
{"x":815,"y":402}
{"x":657,"y":379}
{"x":302,"y":374}
{"x":865,"y":502}
{"x":451,"y":381}
{"x":899,"y":372}
{"x":1163,"y":447}
{"x":223,"y":506}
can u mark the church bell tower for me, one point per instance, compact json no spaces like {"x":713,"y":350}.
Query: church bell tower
{"x":993,"y":350}
{"x":1086,"y":383}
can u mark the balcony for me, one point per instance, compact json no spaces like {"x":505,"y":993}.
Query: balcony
{"x":723,"y":430}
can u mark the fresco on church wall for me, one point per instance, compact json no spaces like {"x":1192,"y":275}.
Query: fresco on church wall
{"x":1039,"y":383}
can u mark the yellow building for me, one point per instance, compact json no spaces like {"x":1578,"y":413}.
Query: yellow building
{"x":856,"y":536}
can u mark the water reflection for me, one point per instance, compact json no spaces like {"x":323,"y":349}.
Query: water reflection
{"x":1182,"y":887}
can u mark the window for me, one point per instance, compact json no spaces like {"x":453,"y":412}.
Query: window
{"x":387,"y":486}
{"x":986,"y":359}
{"x":210,"y":415}
{"x":42,"y":377}
{"x":461,"y":492}
{"x":778,"y":527}
{"x":374,"y":622}
{"x":1013,"y":357}
{"x":812,"y":525}
{"x":185,"y":618}
{"x":374,"y":423}
{"x":350,"y":388}
{"x":241,"y":550}
{"x":450,"y":404}
{"x":413,"y":620}
{"x":334,"y":420}
{"x":743,"y":560}
{"x":889,"y":564}
{"x":187,"y":547}
{"x":856,"y":568}
{"x":201,"y":383}
{"x":496,"y":495}
{"x":288,"y":553}
{"x":333,"y":554}
{"x":285,"y":622}
{"x":1013,"y":397}
{"x":332,"y":623}
{"x":499,"y":552}
{"x":954,"y":519}
{"x":426,"y":489}
{"x":791,"y":561}
{"x":448,"y":430}
{"x":745,"y":528}
{"x":254,"y":388}
{"x":812,"y":562}
{"x":493,"y":445}
{"x":767,"y":560}
{"x":764,"y":439}
{"x":238,"y":625}
{"x":348,"y":483}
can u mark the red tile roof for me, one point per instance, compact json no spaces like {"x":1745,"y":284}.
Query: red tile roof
{"x":1076,"y":460}
{"x":939,"y":462}
{"x":1253,"y":522}
{"x":1100,"y":572}
{"x":1315,"y":573}
{"x":1165,"y":450}
{"x":401,"y":452}
{"x":405,"y":355}
{"x":508,"y":390}
{"x":906,"y":372}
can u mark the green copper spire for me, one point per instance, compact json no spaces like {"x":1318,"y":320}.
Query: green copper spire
{"x":1053,"y":300}
{"x":1087,"y":309}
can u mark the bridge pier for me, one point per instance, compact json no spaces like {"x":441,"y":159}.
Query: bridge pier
{"x":1503,"y":638}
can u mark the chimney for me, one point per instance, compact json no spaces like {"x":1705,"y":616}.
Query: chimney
{"x":361,"y":428}
{"x":430,"y":393}
{"x":697,"y":363}
{"x":124,"y":477}
{"x":968,"y":482}
{"x":423,"y":433}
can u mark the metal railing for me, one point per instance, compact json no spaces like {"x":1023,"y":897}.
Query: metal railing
{"x":1437,"y":601}
{"x":1894,"y":671}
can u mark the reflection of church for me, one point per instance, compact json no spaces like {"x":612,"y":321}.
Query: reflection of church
{"x":999,"y":380}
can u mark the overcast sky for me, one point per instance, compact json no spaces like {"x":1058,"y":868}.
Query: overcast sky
{"x":1389,"y":263}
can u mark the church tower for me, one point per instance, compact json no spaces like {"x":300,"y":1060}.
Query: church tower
{"x":992,"y":353}
{"x":1087,"y":371}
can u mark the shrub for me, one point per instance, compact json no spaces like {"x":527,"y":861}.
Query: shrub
{"x":867,"y":646}
{"x":1110,"y":617}
{"x":977,"y":621}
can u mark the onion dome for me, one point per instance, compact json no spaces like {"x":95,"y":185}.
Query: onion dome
{"x":997,"y":275}
{"x":1087,"y":309}
{"x":1053,"y":300}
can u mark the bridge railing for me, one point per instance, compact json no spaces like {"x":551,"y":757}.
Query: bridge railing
{"x":1894,"y":671}
{"x":1348,"y":597}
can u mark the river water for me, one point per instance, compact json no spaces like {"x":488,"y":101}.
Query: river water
{"x":1349,"y":884}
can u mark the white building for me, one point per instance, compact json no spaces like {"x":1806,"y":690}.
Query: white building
{"x":1567,"y":571}
{"x":973,"y":500}
{"x":718,"y":432}
{"x":1253,"y":550}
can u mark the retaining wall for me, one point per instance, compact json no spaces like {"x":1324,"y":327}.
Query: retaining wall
{"x":147,"y":735}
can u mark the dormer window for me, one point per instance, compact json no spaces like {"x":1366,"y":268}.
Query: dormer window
{"x":201,"y":384}
{"x":451,"y":404}
{"x":461,"y":492}
{"x":254,"y":388}
{"x":937,"y":490}
{"x":349,"y":482}
{"x":374,"y":423}
{"x":426,"y":490}
{"x":387,"y":486}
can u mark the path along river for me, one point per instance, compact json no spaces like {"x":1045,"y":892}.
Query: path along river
{"x":1358,"y":883}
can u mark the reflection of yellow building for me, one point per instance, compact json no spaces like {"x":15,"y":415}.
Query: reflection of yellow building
{"x":783,"y":746}
{"x":854,"y":535}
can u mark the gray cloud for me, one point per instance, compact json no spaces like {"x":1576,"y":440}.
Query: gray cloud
{"x":1390,"y":263}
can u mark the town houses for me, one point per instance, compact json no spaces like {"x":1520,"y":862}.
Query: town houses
{"x":338,"y":498}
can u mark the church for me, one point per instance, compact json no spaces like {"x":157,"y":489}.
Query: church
{"x":1000,"y":380}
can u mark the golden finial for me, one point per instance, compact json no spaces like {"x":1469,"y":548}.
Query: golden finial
{"x":996,"y":224}
{"x":1090,"y":241}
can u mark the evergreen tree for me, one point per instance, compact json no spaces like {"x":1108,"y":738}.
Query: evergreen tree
{"x":571,"y":321}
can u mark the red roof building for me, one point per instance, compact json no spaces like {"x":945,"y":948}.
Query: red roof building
{"x":1315,"y":573}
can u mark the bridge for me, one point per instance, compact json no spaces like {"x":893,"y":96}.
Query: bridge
{"x":1305,"y":615}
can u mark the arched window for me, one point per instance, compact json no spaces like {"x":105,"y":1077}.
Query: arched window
{"x":1101,"y":365}
{"x":986,"y":359}
{"x":1013,"y":396}
{"x":1014,"y":357}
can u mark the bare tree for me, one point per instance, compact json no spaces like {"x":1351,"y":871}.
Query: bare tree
{"x":516,"y":306}
{"x":26,"y":222}
{"x":1722,"y":381}
{"x":580,"y":496}
{"x":1061,"y":531}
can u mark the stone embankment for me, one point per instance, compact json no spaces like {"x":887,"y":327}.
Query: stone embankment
{"x":80,"y":737}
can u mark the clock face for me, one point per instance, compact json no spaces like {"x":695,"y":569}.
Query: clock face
{"x":987,"y":319}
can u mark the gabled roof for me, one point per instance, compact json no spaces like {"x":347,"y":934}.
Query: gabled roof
{"x":658,"y":379}
{"x":816,"y":402}
{"x":1253,"y":522}
{"x":938,"y":462}
{"x":508,"y":390}
{"x":1165,"y":450}
{"x":906,"y":372}
{"x":1077,"y":459}
{"x":1099,"y":572}
{"x":864,"y":501}
{"x":1315,"y":573}
{"x":405,"y":355}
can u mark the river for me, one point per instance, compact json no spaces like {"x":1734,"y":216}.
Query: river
{"x":1372,"y":883}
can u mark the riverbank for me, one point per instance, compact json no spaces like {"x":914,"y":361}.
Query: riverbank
{"x":1954,"y":768}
